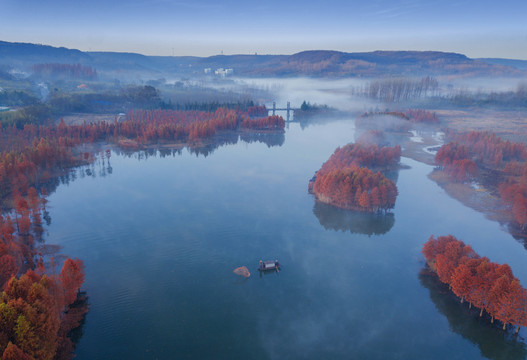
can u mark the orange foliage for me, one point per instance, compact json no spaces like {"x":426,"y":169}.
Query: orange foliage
{"x":470,"y":153}
{"x":257,"y":110}
{"x":32,"y":311}
{"x":363,"y":155}
{"x":489,"y":286}
{"x":343,"y":181}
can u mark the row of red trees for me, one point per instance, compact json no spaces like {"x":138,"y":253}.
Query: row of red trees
{"x":32,"y":155}
{"x":360,"y":154}
{"x":470,"y":154}
{"x":485,"y":148}
{"x":489,"y":286}
{"x":345,"y":181}
{"x":149,"y":126}
{"x":257,"y":111}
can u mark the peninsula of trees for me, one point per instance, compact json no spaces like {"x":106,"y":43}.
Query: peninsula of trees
{"x":498,"y":164}
{"x":489,"y":286}
{"x":346,"y":181}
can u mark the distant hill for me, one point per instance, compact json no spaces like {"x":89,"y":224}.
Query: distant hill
{"x":315,"y":63}
{"x":24,"y":53}
{"x":518,"y":64}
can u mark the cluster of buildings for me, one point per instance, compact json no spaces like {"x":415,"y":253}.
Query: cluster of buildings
{"x":219,"y":72}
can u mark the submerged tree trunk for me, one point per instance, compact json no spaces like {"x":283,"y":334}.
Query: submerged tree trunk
{"x":504,"y":326}
{"x":492,"y":319}
{"x":462,"y":299}
{"x":470,"y":305}
{"x":517,"y":330}
{"x":481,"y":313}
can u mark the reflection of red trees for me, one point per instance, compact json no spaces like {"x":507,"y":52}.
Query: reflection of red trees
{"x":474,"y":152}
{"x":265,"y":123}
{"x":343,"y":181}
{"x":489,"y":286}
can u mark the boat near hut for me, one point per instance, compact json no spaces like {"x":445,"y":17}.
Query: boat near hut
{"x":269,"y":265}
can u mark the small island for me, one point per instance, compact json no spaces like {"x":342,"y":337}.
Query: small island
{"x":347,"y":180}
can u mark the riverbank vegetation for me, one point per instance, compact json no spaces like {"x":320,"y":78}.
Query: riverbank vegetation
{"x":489,"y":286}
{"x":497,"y":164}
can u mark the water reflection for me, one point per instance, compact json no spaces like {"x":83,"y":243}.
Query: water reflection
{"x":356,"y":222}
{"x":207,"y":148}
{"x":321,"y":119}
{"x":268,"y":138}
{"x":76,"y":315}
{"x":517,"y":233}
{"x":99,"y":166}
{"x":493,"y":342}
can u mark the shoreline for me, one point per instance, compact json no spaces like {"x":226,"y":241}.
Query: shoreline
{"x":480,"y":199}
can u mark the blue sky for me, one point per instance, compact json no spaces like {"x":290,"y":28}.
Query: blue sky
{"x":205,"y":27}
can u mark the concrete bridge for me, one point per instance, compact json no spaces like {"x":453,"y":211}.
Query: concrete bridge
{"x":288,"y":108}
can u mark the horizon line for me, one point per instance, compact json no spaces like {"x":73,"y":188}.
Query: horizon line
{"x":255,"y":53}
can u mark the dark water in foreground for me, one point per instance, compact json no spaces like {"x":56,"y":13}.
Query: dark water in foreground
{"x":161,"y":236}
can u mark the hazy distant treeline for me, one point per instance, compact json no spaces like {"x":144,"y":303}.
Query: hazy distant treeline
{"x":401,"y":89}
{"x":209,"y":106}
{"x":70,"y":71}
{"x":60,"y":103}
{"x":516,"y":98}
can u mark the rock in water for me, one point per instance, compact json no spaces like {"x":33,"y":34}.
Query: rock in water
{"x":242,"y":271}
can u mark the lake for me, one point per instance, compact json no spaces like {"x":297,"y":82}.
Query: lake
{"x":161,"y":235}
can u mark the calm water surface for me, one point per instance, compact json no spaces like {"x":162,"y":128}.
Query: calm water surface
{"x":160,"y":237}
